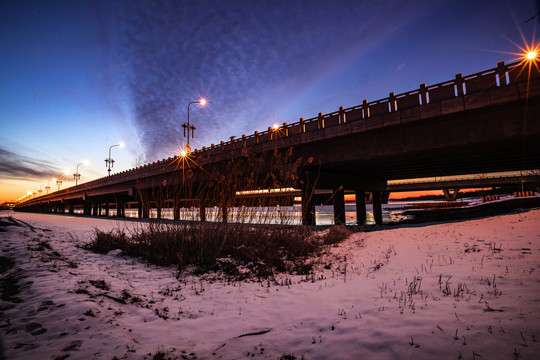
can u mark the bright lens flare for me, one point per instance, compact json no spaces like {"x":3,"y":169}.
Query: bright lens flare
{"x":121,"y":144}
{"x":202,"y":101}
{"x":275,"y":126}
{"x":66,"y":172}
{"x":531,"y":55}
{"x":183,"y":153}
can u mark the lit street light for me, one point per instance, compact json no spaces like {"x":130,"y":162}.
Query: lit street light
{"x":59,"y":181}
{"x":189,"y":128}
{"x":109,"y":163}
{"x":77,"y":176}
{"x":48,"y":187}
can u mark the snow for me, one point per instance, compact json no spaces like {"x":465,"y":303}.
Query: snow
{"x":468,"y":289}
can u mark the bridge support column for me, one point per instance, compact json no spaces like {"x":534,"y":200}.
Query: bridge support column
{"x":176,"y":211}
{"x":451,"y":194}
{"x":360,"y":206}
{"x":308,"y":204}
{"x":71,"y":208}
{"x":139,"y":209}
{"x":107,"y":209}
{"x":120,"y":209}
{"x":224,"y":213}
{"x":202,"y":211}
{"x":96,"y":209}
{"x":158,"y":209}
{"x":339,"y":206}
{"x":377,"y":207}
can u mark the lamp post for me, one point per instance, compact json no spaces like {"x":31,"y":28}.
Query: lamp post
{"x":59,"y":181}
{"x":109,"y":163}
{"x":48,"y":187}
{"x":188,"y":127}
{"x":77,"y":176}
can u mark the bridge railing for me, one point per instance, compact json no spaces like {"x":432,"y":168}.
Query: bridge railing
{"x":500,"y":76}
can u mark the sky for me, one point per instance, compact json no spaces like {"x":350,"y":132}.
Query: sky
{"x":77,"y":77}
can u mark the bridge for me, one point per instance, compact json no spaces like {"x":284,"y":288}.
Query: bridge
{"x":479,"y":123}
{"x":452,"y":187}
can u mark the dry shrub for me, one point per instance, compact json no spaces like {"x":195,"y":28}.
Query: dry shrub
{"x":336,"y":234}
{"x":235,"y":249}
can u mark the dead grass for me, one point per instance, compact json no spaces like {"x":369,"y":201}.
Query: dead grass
{"x":237,"y":250}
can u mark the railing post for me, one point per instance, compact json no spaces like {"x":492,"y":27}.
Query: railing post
{"x":392,"y":101}
{"x":256,"y":133}
{"x":320,"y":121}
{"x":459,"y":85}
{"x":501,"y":71}
{"x":302,"y":126}
{"x":285,"y":129}
{"x":423,"y":94}
{"x":342,"y":117}
{"x":365,"y":109}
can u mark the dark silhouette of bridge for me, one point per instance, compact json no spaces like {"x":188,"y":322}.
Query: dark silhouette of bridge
{"x":451,"y":187}
{"x":480,"y":123}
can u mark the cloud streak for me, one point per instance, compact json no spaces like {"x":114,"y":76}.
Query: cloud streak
{"x":19,"y":167}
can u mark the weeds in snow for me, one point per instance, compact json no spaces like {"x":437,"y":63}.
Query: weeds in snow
{"x":237,"y":250}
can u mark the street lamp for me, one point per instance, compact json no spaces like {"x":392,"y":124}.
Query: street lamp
{"x":77,"y":176}
{"x":189,"y":128}
{"x":59,"y":181}
{"x":48,"y":187}
{"x":109,"y":163}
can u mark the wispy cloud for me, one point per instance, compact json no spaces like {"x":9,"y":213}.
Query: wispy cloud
{"x":241,"y":54}
{"x":18,"y":167}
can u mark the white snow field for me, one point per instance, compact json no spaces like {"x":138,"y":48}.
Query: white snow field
{"x":457,"y":290}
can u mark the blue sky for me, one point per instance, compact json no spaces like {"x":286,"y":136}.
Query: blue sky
{"x":79,"y":76}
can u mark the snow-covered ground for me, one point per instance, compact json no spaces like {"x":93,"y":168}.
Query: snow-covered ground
{"x":456,"y":290}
